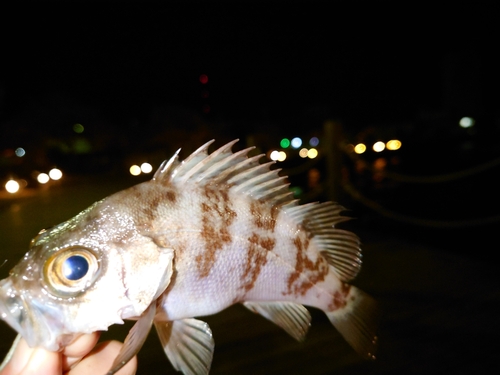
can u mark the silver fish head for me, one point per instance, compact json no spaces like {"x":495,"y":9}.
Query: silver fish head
{"x":84,"y":275}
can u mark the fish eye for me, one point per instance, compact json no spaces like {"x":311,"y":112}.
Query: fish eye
{"x":71,"y":271}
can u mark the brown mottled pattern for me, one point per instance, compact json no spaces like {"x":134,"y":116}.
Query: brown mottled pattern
{"x":340,"y":298}
{"x":314,"y":272}
{"x":256,"y":259}
{"x":217,"y":216}
{"x":264,"y":217}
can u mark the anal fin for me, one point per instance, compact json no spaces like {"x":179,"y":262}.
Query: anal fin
{"x":188,"y":344}
{"x":357,"y":322}
{"x":294,"y":318}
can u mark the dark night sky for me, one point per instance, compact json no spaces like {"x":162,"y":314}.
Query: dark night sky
{"x":264,"y":60}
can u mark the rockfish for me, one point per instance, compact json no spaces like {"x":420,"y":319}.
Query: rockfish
{"x":205,"y":233}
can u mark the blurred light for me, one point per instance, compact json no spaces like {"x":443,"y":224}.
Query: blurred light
{"x":55,"y":174}
{"x":12,"y":186}
{"x":43,"y":178}
{"x":281,"y":156}
{"x":285,"y":143}
{"x":78,"y":128}
{"x":296,"y":190}
{"x":135,"y":170}
{"x":206,"y":108}
{"x":359,"y":148}
{"x":393,"y":144}
{"x":379,"y":146}
{"x":296,"y":142}
{"x":303,"y":152}
{"x":349,"y":148}
{"x":314,"y":141}
{"x":203,"y":79}
{"x":20,"y":152}
{"x":275,"y":155}
{"x":466,"y":122}
{"x":146,"y":168}
{"x":312,"y":153}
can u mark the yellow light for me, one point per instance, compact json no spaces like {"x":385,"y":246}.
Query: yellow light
{"x":379,"y":146}
{"x":146,"y":168}
{"x":312,"y":153}
{"x":393,"y":144}
{"x":275,"y":155}
{"x":359,"y":148}
{"x":135,"y":170}
{"x":43,"y":178}
{"x":281,"y":156}
{"x":303,"y":152}
{"x":55,"y":174}
{"x":12,"y":186}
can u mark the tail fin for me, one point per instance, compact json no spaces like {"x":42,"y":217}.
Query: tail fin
{"x":357,"y":321}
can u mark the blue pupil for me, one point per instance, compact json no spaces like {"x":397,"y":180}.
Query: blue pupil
{"x":75,"y":267}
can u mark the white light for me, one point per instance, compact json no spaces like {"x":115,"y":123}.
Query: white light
{"x":12,"y":186}
{"x":55,"y":174}
{"x":135,"y":170}
{"x":296,"y":142}
{"x":20,"y":152}
{"x":466,"y":122}
{"x":146,"y":168}
{"x":275,"y":155}
{"x":43,"y":178}
{"x":379,"y":146}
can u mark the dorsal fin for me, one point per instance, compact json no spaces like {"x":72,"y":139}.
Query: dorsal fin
{"x":242,"y":173}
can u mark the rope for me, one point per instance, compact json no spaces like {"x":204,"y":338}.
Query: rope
{"x":355,"y":194}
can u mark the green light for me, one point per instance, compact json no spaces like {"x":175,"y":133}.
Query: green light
{"x":285,"y":143}
{"x":78,"y":128}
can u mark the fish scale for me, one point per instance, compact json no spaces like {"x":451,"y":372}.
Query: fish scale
{"x":207,"y":232}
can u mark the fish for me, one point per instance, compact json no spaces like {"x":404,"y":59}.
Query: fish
{"x":207,"y":232}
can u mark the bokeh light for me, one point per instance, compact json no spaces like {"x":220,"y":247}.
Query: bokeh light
{"x":203,"y":79}
{"x":135,"y":170}
{"x":359,"y":148}
{"x":466,"y":122}
{"x":379,"y":146}
{"x":312,"y":153}
{"x":12,"y":186}
{"x":55,"y":174}
{"x":296,"y":142}
{"x":20,"y":152}
{"x":314,"y":141}
{"x":303,"y":152}
{"x":285,"y":143}
{"x":78,"y":128}
{"x":43,"y":178}
{"x":146,"y":168}
{"x":393,"y":144}
{"x":281,"y":156}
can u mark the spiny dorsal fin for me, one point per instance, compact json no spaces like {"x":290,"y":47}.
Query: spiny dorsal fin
{"x":242,"y":173}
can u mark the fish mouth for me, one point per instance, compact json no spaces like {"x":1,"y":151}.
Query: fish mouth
{"x":34,"y":322}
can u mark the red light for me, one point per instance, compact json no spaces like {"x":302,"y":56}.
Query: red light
{"x":206,"y":109}
{"x":204,"y":79}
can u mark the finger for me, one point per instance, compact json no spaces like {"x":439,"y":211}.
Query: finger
{"x":31,"y":361}
{"x":99,"y":361}
{"x":78,"y":349}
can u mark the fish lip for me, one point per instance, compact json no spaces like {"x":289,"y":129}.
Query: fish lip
{"x":28,"y":320}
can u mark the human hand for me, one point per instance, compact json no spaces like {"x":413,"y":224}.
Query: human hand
{"x":82,"y":356}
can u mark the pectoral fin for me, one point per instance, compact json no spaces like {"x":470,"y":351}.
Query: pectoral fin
{"x":188,"y":344}
{"x":135,"y":339}
{"x":292,"y":317}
